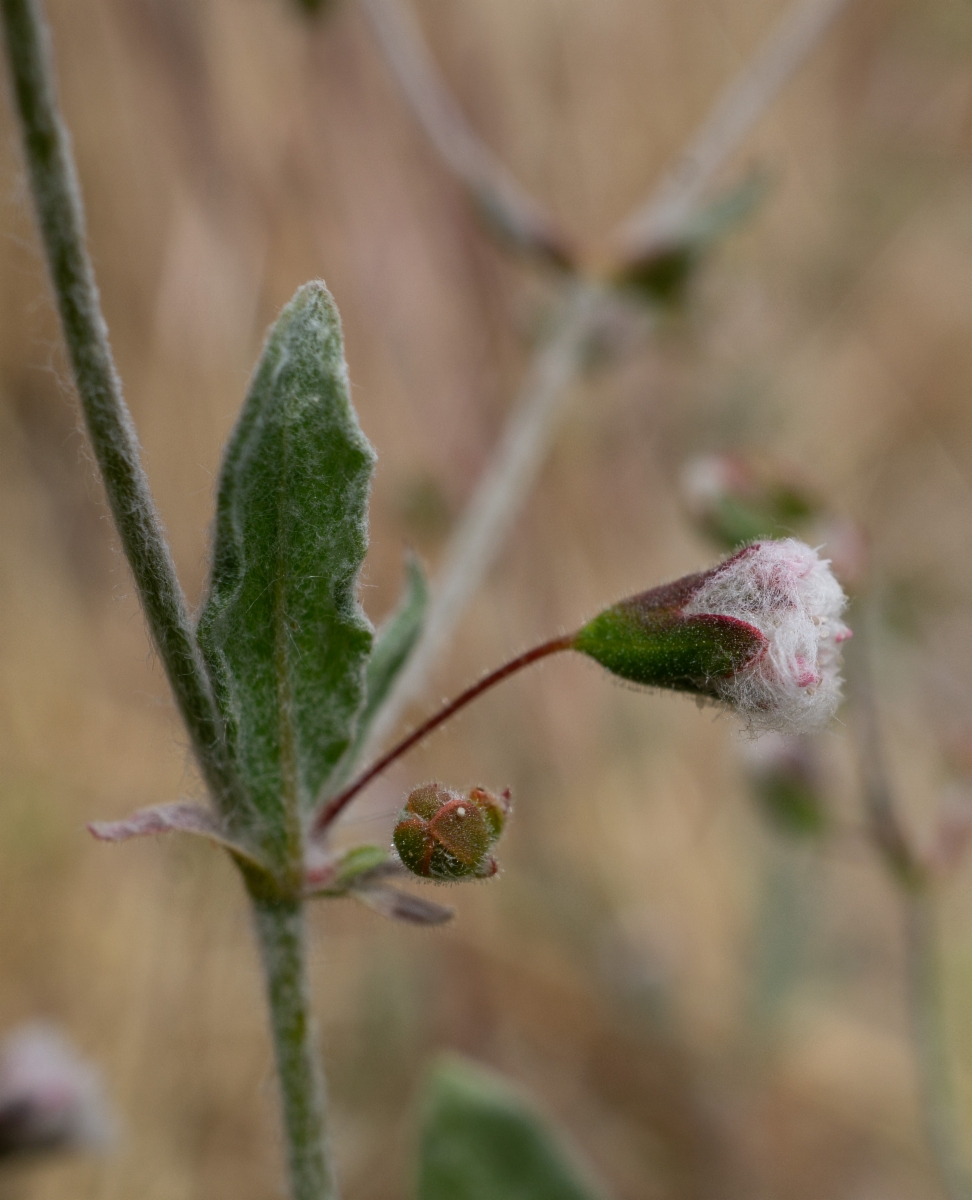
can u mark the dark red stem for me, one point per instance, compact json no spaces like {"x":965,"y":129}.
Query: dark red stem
{"x":337,"y":803}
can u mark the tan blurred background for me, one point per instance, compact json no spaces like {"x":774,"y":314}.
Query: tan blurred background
{"x":709,"y":1011}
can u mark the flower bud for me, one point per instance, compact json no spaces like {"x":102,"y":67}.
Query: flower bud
{"x":759,"y":632}
{"x":784,"y":773}
{"x":50,"y":1099}
{"x":733,"y":500}
{"x":445,"y":835}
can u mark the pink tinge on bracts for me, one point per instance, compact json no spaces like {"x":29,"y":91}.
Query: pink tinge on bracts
{"x":788,"y":592}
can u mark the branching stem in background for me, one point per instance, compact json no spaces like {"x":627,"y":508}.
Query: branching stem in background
{"x":498,"y":497}
{"x":915,"y":884}
{"x":57,"y":200}
{"x":517,"y":214}
{"x":938,"y":1101}
{"x":542,"y":400}
{"x":732,"y":116}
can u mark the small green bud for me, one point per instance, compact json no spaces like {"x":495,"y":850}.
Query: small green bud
{"x":661,"y":271}
{"x":445,"y":835}
{"x":662,"y":275}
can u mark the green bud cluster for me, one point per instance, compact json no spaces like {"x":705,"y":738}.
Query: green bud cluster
{"x":447,"y":835}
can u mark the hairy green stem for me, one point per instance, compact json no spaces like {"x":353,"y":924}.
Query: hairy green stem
{"x":57,"y":199}
{"x":281,"y":933}
{"x":935,"y":1075}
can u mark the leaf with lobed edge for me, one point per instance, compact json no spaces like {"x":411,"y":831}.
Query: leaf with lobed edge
{"x":394,"y":643}
{"x":482,"y":1140}
{"x":282,"y":632}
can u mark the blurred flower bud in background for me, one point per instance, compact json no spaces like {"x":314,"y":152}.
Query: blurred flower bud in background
{"x":784,"y":773}
{"x":51,"y":1099}
{"x":731,"y":501}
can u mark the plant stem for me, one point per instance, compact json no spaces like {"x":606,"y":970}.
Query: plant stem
{"x":735,"y":111}
{"x":281,"y":934}
{"x":335,"y":805}
{"x":937,"y":1093}
{"x":57,"y":199}
{"x":528,"y":224}
{"x":911,"y":876}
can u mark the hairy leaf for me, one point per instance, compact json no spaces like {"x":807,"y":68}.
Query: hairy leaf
{"x":481,"y":1140}
{"x":282,"y":632}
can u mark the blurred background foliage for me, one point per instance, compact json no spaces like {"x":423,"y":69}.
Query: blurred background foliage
{"x":708,"y":1007}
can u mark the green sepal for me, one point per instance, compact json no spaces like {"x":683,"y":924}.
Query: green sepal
{"x":482,"y":1140}
{"x":358,"y":861}
{"x":282,"y":632}
{"x":661,"y":648}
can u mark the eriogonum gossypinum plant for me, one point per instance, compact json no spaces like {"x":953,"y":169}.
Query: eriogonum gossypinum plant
{"x":282,"y":675}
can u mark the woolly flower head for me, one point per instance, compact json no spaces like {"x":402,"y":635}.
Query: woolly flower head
{"x":788,"y":592}
{"x":50,"y":1098}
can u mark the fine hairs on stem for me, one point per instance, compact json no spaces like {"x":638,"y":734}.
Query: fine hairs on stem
{"x":542,"y":400}
{"x":279,"y":923}
{"x":57,"y":201}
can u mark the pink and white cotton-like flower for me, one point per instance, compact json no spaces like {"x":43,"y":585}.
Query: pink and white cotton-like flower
{"x":788,"y":592}
{"x":760,"y":632}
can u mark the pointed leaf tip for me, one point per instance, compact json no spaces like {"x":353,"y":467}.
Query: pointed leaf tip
{"x":282,"y":632}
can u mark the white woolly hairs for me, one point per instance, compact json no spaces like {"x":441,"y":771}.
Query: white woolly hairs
{"x":789,"y":593}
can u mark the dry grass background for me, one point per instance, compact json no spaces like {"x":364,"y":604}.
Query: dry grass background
{"x":710,"y":1012}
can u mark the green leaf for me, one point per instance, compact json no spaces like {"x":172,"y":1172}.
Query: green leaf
{"x":396,"y":639}
{"x":482,"y":1140}
{"x":282,"y":632}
